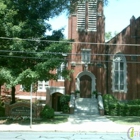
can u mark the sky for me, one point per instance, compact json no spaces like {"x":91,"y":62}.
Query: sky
{"x":117,"y":16}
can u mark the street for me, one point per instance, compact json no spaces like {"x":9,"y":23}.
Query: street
{"x":63,"y":136}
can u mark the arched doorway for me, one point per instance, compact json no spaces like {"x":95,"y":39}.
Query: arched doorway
{"x":85,"y":86}
{"x":85,"y":83}
{"x":56,"y":101}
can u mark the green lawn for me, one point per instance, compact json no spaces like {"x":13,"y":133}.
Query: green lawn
{"x":57,"y":119}
{"x":127,"y":120}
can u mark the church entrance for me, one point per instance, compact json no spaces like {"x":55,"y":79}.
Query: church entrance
{"x":85,"y":83}
{"x":56,"y":101}
{"x":85,"y":86}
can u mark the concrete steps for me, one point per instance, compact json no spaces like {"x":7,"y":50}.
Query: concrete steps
{"x":86,"y":106}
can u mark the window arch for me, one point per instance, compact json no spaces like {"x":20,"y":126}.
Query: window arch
{"x":119,"y":77}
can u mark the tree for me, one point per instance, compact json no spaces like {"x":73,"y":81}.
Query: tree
{"x":24,"y":57}
{"x":29,"y":66}
{"x":109,"y":35}
{"x":23,"y":24}
{"x":5,"y":77}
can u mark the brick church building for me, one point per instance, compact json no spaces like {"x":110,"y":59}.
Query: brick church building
{"x":112,"y":67}
{"x":123,"y":67}
{"x":86,"y":29}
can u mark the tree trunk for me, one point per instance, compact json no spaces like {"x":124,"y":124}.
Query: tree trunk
{"x":0,"y":90}
{"x":13,"y":95}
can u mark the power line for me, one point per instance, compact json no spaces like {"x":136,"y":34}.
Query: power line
{"x":71,"y":60}
{"x":46,"y":52}
{"x":70,"y":42}
{"x":62,"y":53}
{"x":26,"y":57}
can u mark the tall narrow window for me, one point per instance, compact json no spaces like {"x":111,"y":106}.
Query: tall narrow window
{"x":92,"y":15}
{"x":86,"y":55}
{"x":60,"y":70}
{"x":81,"y":15}
{"x":119,"y":74}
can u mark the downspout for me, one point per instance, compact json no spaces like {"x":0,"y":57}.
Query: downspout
{"x":107,"y":69}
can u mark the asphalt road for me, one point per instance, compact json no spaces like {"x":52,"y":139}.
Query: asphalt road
{"x":63,"y":136}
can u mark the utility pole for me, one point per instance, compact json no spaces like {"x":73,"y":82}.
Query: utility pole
{"x":31,"y":115}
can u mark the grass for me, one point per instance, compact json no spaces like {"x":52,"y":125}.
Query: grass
{"x":56,"y":120}
{"x":125,"y":120}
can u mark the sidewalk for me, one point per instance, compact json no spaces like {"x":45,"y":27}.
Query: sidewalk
{"x":76,"y":123}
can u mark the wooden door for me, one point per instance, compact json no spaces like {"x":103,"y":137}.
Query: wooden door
{"x":85,"y":86}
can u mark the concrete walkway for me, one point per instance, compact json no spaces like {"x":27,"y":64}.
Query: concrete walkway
{"x":97,"y":123}
{"x":76,"y":123}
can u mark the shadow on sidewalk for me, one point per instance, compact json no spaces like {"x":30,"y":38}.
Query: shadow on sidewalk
{"x":79,"y":119}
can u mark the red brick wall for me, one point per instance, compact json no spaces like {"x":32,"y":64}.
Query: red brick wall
{"x":126,"y":36}
{"x":87,"y":38}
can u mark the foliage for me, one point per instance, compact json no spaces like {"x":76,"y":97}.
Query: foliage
{"x":109,"y":35}
{"x":124,"y":109}
{"x":115,"y":108}
{"x":2,"y":109}
{"x":107,"y":100}
{"x":75,"y":2}
{"x":95,"y":93}
{"x":77,"y":92}
{"x":5,"y":77}
{"x":64,"y":101}
{"x":23,"y":30}
{"x":26,"y":120}
{"x":26,"y":78}
{"x":47,"y":112}
{"x":134,"y":102}
{"x":23,"y":50}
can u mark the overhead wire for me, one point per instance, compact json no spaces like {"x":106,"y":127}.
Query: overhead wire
{"x":67,"y":59}
{"x":62,"y":53}
{"x":57,"y":53}
{"x":70,"y":42}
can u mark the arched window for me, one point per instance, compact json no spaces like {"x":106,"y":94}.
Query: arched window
{"x":119,"y":78}
{"x":59,"y":72}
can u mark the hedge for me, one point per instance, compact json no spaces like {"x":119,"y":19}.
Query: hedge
{"x":109,"y":100}
{"x":124,"y":109}
{"x":115,"y":108}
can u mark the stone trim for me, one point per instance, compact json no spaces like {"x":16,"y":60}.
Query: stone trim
{"x":52,"y":89}
{"x":77,"y":83}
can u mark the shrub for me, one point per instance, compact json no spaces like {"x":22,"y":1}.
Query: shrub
{"x":64,"y":102}
{"x":109,"y":100}
{"x":2,"y":111}
{"x":47,"y":112}
{"x":115,"y":108}
{"x":134,"y":102}
{"x":95,"y":93}
{"x":122,"y":109}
